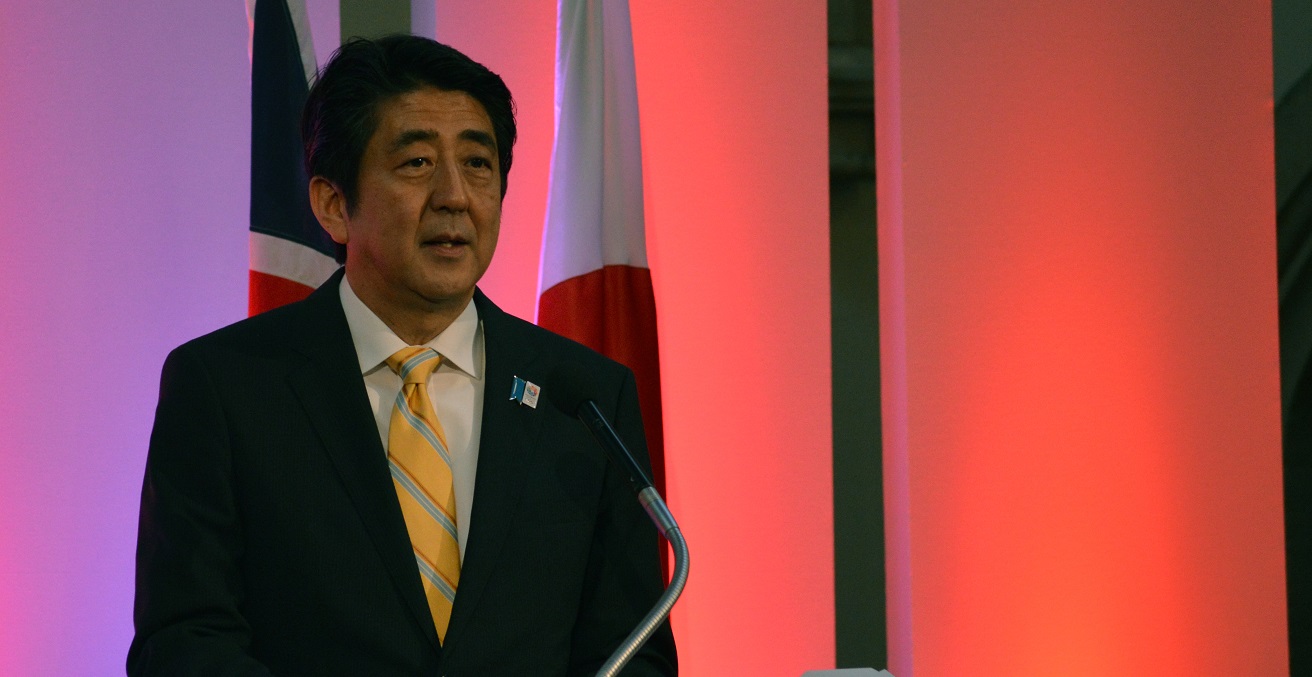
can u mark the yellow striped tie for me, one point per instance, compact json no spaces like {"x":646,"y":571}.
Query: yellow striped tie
{"x":421,"y":471}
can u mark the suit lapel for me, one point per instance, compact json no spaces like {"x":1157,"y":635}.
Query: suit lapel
{"x":509,"y":431}
{"x":332,"y":391}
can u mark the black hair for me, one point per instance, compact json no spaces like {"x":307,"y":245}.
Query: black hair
{"x":341,"y":111}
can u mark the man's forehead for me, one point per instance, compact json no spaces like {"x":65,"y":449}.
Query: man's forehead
{"x":432,"y":103}
{"x":428,"y":114}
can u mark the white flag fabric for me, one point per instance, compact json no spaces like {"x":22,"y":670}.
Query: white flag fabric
{"x":595,"y":286}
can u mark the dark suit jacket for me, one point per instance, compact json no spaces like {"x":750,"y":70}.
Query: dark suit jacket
{"x":271,"y":540}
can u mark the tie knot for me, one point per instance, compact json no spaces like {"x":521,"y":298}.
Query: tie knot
{"x":414,"y":364}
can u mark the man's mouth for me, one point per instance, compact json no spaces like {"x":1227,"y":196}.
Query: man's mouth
{"x":446,"y":242}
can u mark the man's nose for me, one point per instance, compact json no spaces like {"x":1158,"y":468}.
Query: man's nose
{"x":447,"y":188}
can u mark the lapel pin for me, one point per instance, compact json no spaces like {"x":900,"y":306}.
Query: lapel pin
{"x":525,"y":392}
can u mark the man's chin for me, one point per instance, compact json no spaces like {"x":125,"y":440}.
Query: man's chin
{"x":446,"y":294}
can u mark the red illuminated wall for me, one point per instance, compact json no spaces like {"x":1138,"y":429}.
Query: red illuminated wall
{"x":124,"y":204}
{"x":1078,"y":290}
{"x":733,"y":97}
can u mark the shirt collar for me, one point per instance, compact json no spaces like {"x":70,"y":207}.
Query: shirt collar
{"x":375,"y":342}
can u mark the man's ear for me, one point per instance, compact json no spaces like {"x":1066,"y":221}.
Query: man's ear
{"x":329,"y":206}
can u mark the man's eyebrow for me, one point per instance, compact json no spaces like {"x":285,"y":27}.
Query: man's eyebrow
{"x":410,"y":136}
{"x":480,"y":137}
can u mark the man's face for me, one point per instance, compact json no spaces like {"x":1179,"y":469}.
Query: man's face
{"x":428,"y":211}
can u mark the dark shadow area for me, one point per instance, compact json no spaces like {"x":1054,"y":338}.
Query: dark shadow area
{"x":861,"y":634}
{"x":1293,"y":127}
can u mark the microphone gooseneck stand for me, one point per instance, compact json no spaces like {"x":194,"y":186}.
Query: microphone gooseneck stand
{"x":573,"y":400}
{"x":660,"y":514}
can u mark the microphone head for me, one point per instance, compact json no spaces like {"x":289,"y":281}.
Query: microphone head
{"x":569,"y":390}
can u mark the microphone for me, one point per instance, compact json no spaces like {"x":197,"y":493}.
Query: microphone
{"x":572,"y":397}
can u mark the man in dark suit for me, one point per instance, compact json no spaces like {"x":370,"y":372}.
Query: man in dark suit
{"x":276,"y":533}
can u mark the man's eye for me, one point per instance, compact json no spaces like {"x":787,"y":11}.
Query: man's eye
{"x":480,"y":162}
{"x":417,"y":162}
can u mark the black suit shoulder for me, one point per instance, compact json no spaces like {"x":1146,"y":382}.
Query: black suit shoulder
{"x":287,"y":328}
{"x":243,"y":500}
{"x":243,"y":360}
{"x":558,"y":351}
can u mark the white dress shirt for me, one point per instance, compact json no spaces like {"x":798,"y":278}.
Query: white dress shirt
{"x":455,"y":388}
